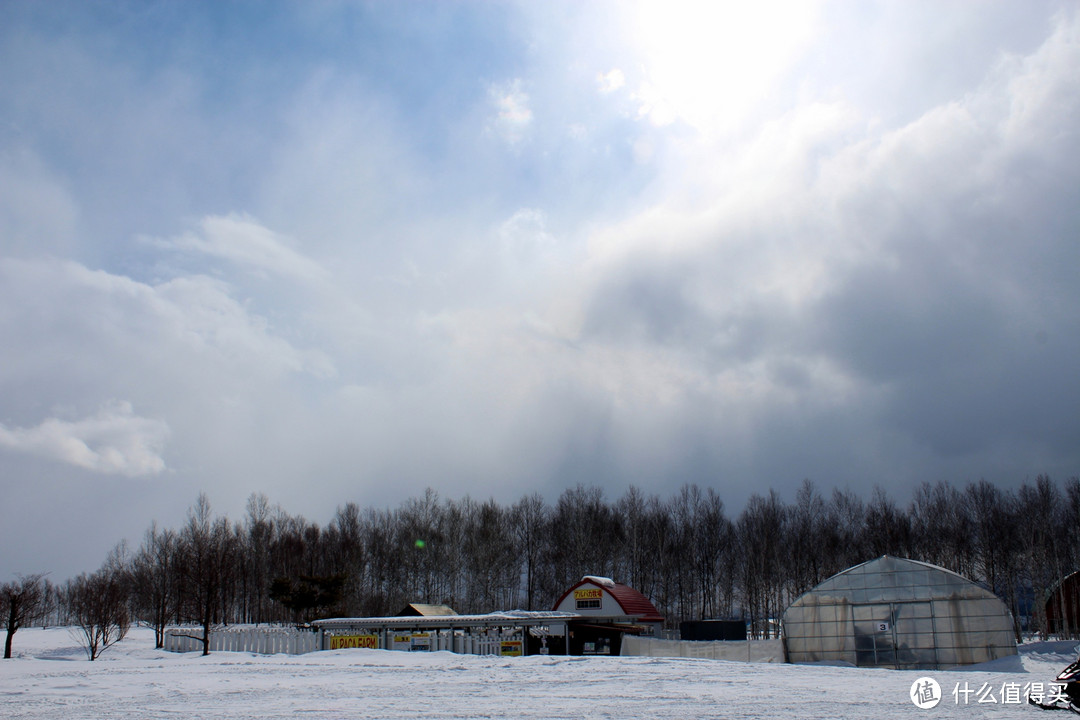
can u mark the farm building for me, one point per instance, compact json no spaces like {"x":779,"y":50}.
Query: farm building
{"x":897,"y":613}
{"x":506,"y":634}
{"x":607,"y":610}
{"x":1063,"y":607}
{"x":589,"y":619}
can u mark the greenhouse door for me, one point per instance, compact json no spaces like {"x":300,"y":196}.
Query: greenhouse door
{"x":899,"y":635}
{"x":875,"y":635}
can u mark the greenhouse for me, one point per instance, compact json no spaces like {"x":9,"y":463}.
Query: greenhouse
{"x":897,"y":613}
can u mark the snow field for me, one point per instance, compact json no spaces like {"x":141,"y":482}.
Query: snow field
{"x":50,"y":679}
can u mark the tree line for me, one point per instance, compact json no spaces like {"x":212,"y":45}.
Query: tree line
{"x":684,"y":552}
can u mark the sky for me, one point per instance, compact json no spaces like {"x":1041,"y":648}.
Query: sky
{"x":340,"y":252}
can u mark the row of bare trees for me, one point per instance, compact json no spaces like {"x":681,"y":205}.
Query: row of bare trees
{"x":683,"y":551}
{"x":97,"y":607}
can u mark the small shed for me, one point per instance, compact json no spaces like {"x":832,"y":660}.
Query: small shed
{"x":712,"y":630}
{"x":898,"y":613}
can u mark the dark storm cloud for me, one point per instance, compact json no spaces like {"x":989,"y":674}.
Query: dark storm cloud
{"x":940,"y":303}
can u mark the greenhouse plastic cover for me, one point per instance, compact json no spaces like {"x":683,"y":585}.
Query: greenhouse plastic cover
{"x":893,"y":612}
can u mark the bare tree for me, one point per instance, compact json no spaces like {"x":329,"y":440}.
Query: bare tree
{"x":679,"y":544}
{"x":99,"y":604}
{"x":680,"y":551}
{"x":205,"y":547}
{"x":699,"y":536}
{"x":807,"y":562}
{"x":420,"y":545}
{"x":345,"y":543}
{"x":381,"y":587}
{"x":256,"y":562}
{"x":1040,"y":540}
{"x":1068,"y":605}
{"x":888,"y":529}
{"x":760,"y":530}
{"x":660,"y":568}
{"x":584,"y":538}
{"x":632,"y":507}
{"x":994,"y":536}
{"x":307,"y":596}
{"x":529,"y":520}
{"x":845,"y":530}
{"x":20,"y":601}
{"x":929,"y":517}
{"x":491,"y":559}
{"x":154,"y":580}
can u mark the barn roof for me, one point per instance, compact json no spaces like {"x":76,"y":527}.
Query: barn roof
{"x":630,"y":600}
{"x":425,"y":610}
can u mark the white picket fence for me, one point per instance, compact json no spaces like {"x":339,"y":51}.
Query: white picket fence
{"x":266,"y":640}
{"x":261,"y":640}
{"x":469,"y":644}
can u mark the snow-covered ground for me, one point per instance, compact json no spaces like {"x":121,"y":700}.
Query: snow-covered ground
{"x":50,"y":678}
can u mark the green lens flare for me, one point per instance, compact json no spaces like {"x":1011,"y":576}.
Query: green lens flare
{"x":420,"y":544}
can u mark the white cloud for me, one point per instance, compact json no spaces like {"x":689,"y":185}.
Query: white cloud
{"x":654,"y":106}
{"x":115,"y":441}
{"x":75,"y":333}
{"x":201,"y":315}
{"x":242,"y":240}
{"x":525,"y":235}
{"x":513,"y":115}
{"x":809,"y":256}
{"x":610,"y":81}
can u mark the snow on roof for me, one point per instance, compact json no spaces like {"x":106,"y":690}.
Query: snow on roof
{"x":510,"y":617}
{"x":606,"y":582}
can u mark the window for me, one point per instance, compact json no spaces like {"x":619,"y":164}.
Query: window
{"x":586,"y":604}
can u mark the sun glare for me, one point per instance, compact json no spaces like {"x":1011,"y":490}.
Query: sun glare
{"x":708,"y":64}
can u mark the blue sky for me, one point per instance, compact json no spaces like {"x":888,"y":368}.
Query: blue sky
{"x":340,"y":252}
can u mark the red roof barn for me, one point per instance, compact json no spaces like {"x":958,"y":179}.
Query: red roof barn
{"x":604,"y":597}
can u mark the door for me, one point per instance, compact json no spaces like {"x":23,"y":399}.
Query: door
{"x":875,"y":635}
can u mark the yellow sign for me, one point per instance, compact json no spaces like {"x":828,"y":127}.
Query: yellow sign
{"x":340,"y":642}
{"x":510,"y":648}
{"x":589,"y":594}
